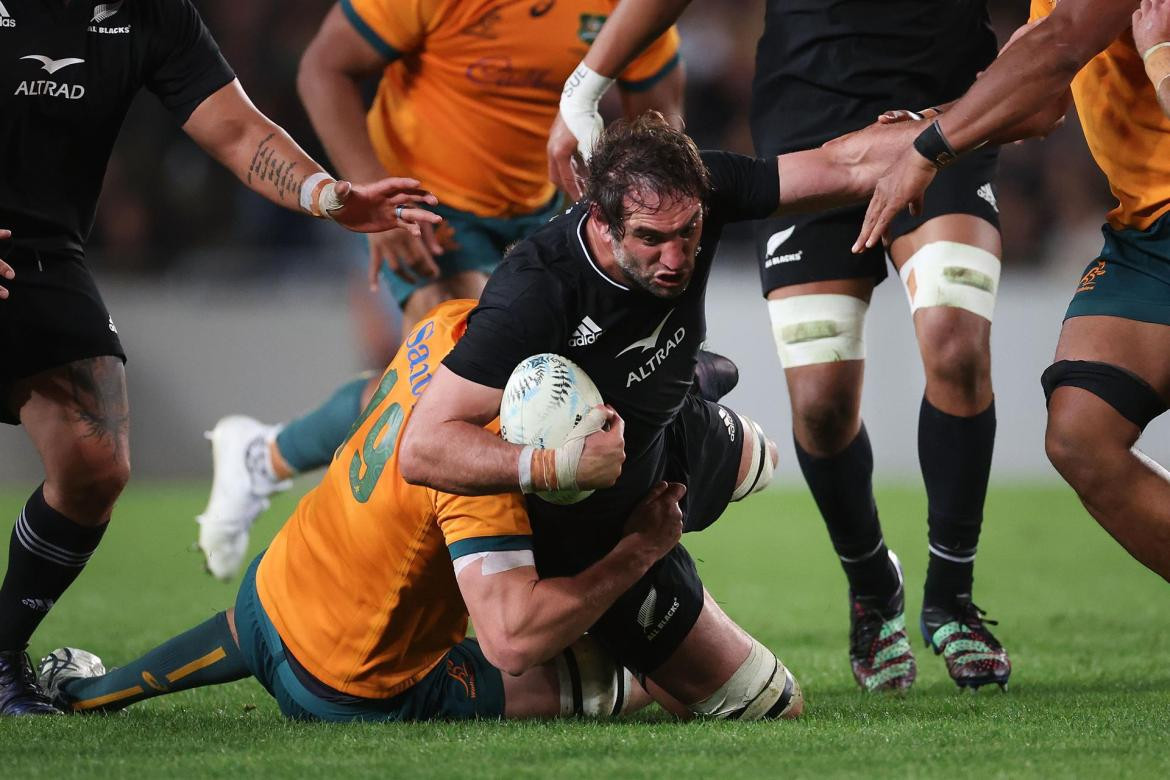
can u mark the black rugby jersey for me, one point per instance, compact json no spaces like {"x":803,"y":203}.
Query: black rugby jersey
{"x":68,"y":72}
{"x":826,"y":67}
{"x":549,"y":295}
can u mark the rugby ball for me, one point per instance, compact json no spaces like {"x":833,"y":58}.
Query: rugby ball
{"x":544,"y":399}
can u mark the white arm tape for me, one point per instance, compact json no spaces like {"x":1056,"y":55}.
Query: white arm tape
{"x":495,"y":561}
{"x":821,"y":328}
{"x":579,"y":101}
{"x":947,"y":273}
{"x":569,"y":453}
{"x":307,"y":188}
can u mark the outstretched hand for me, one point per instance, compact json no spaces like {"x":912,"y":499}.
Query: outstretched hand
{"x":373,"y":208}
{"x":904,"y":184}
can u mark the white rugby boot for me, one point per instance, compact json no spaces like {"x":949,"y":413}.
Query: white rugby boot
{"x":241,"y":484}
{"x":63,"y":664}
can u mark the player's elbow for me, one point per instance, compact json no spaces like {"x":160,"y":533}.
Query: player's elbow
{"x":308,"y":74}
{"x":413,"y":462}
{"x":508,"y":654}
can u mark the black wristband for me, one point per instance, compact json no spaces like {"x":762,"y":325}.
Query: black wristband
{"x":932,"y":144}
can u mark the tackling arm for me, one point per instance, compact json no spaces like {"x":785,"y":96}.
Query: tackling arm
{"x":446,"y":447}
{"x":522,"y":620}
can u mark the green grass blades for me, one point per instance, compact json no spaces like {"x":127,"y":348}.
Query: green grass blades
{"x":1085,"y":624}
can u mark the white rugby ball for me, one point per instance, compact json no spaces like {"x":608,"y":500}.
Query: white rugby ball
{"x":544,"y":399}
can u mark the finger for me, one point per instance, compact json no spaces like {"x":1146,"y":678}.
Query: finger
{"x":3,"y":293}
{"x":413,"y":196}
{"x":879,"y":227}
{"x":421,"y":262}
{"x":675,"y":491}
{"x":430,"y":239}
{"x":6,"y":270}
{"x":342,"y":190}
{"x":867,"y":224}
{"x":394,"y":184}
{"x":4,"y":233}
{"x":564,"y":175}
{"x":417,"y":216}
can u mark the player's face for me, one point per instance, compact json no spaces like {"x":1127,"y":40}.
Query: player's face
{"x":658,"y":250}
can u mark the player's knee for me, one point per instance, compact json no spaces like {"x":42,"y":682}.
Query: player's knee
{"x":761,"y":688}
{"x":592,"y":683}
{"x":826,"y":423}
{"x":87,"y":495}
{"x":1076,"y":451}
{"x":950,"y":274}
{"x":758,"y":460}
{"x":955,"y":354}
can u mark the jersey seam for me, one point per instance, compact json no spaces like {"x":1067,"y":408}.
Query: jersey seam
{"x":642,"y":85}
{"x":367,"y":32}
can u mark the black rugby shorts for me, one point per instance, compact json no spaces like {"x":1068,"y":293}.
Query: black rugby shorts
{"x":803,"y":248}
{"x":53,"y":315}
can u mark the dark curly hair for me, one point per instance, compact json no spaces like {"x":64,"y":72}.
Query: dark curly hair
{"x":642,"y":157}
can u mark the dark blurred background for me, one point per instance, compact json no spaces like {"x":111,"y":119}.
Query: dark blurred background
{"x":167,"y":209}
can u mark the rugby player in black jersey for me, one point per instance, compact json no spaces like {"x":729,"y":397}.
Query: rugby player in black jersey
{"x":825,"y":68}
{"x":617,"y":284}
{"x":68,"y":72}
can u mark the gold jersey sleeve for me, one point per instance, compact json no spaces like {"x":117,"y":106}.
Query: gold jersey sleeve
{"x":472,"y":88}
{"x":359,"y":582}
{"x":1125,"y":128}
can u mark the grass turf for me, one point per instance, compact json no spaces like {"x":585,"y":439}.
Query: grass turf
{"x":1086,"y":625}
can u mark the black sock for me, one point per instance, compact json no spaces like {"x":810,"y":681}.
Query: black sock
{"x":955,"y":454}
{"x":204,"y":655}
{"x":47,"y":552}
{"x":842,"y":486}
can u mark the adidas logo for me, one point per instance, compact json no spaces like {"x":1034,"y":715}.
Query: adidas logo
{"x":988,"y":195}
{"x":586,"y":333}
{"x":6,"y":19}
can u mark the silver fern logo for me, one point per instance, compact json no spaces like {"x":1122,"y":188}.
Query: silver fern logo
{"x":646,"y":613}
{"x":105,"y":11}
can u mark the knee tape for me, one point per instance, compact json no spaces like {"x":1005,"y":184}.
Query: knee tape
{"x":811,"y":329}
{"x":947,"y":273}
{"x":761,"y":688}
{"x":593,"y":684}
{"x":761,"y":469}
{"x":1132,"y":397}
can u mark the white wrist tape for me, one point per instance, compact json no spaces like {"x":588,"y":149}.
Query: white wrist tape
{"x":307,"y":201}
{"x":1157,"y":62}
{"x":525,"y":468}
{"x":579,"y":101}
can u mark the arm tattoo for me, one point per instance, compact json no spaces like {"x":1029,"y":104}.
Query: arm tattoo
{"x":99,"y":400}
{"x":267,"y":166}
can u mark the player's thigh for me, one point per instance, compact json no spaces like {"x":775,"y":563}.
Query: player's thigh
{"x":78,"y":417}
{"x":1111,"y":377}
{"x":649,"y":621}
{"x":712,"y":450}
{"x":708,"y":656}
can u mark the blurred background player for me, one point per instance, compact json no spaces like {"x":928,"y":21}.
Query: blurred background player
{"x":65,"y":87}
{"x":468,"y":90}
{"x":1111,"y":376}
{"x":358,"y":610}
{"x":824,"y":69}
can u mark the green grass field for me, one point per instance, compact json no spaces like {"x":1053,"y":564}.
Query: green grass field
{"x":1087,"y":628}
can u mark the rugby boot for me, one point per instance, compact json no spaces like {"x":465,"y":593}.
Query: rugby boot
{"x":241,"y":484}
{"x":879,"y":650}
{"x":62,"y":665}
{"x":715,"y":375}
{"x":19,"y":692}
{"x":959,"y":633}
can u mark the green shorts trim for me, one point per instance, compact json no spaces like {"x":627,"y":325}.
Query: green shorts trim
{"x":462,"y":686}
{"x":480,"y":243}
{"x":1130,"y":278}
